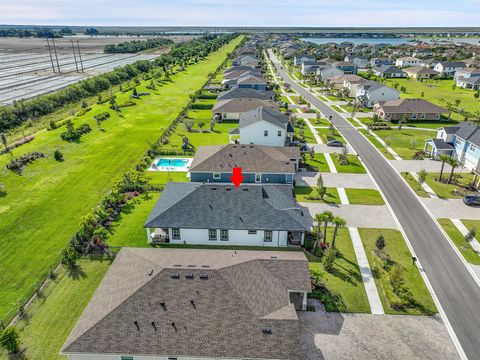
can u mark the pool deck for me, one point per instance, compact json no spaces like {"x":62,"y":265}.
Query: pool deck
{"x":154,"y":167}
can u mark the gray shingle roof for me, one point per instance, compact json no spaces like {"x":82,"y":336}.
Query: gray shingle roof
{"x":467,"y":131}
{"x":250,"y":79}
{"x":218,"y":317}
{"x":251,"y":158}
{"x":440,"y":144}
{"x":263,"y":113}
{"x":408,"y":106}
{"x":222,"y":206}
{"x":388,"y":69}
{"x":239,"y":105}
{"x":245,"y":93}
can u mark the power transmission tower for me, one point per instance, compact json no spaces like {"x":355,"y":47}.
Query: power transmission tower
{"x":74,"y":56}
{"x":80,"y":55}
{"x":50,"y":53}
{"x":56,"y":57}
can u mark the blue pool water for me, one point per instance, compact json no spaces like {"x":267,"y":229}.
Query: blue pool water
{"x":172,"y":162}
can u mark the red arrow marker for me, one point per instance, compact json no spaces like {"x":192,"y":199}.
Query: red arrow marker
{"x":237,"y":176}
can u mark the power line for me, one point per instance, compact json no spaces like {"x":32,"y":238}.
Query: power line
{"x":50,"y":53}
{"x":56,"y":57}
{"x":80,"y":55}
{"x":74,"y":56}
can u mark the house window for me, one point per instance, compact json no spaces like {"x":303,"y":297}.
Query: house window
{"x":265,"y":133}
{"x":258,"y":178}
{"x":252,"y":232}
{"x":224,"y":235}
{"x":437,"y":116}
{"x":414,"y":116}
{"x":267,"y":236}
{"x":216,"y":176}
{"x":472,"y":147}
{"x":422,"y":116}
{"x":175,"y":233}
{"x":212,"y":234}
{"x":279,"y":133}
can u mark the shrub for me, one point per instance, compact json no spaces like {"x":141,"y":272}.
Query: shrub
{"x":328,"y":259}
{"x":73,"y":134}
{"x":198,"y":106}
{"x":57,"y":155}
{"x":380,"y":243}
{"x":342,"y":159}
{"x":127,"y":104}
{"x":83,"y":111}
{"x":9,"y":340}
{"x":69,"y":257}
{"x":53,"y":125}
{"x":471,"y":234}
{"x":102,"y":116}
{"x":17,"y":165}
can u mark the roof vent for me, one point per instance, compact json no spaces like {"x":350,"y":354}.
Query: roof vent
{"x":266,"y":330}
{"x":210,"y":206}
{"x":245,"y":189}
{"x":154,"y":326}
{"x":191,"y":265}
{"x":213,"y":188}
{"x":193,"y":304}
{"x":274,"y":257}
{"x":189,"y":276}
{"x":175,"y":276}
{"x":150,"y":273}
{"x":177,"y":265}
{"x":228,"y":189}
{"x":136,"y":325}
{"x":164,"y":306}
{"x":174,"y":326}
{"x":204,"y":276}
{"x":205,"y":266}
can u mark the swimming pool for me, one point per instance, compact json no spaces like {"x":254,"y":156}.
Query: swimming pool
{"x":171,"y":164}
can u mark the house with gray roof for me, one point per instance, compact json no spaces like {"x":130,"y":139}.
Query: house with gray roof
{"x":221,"y":214}
{"x":389,"y":71}
{"x":264,"y":126}
{"x":259,"y":164}
{"x":462,"y":142}
{"x":252,"y":81}
{"x":371,"y":92}
{"x":194,"y":304}
{"x":468,"y":78}
{"x":231,"y":109}
{"x":448,"y":68}
{"x":245,"y":93}
{"x":410,"y":109}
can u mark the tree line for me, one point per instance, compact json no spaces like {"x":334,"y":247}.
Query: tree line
{"x":35,"y":33}
{"x":137,"y":45}
{"x":22,"y":111}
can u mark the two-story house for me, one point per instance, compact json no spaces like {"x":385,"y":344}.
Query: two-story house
{"x":448,"y":68}
{"x":303,"y":58}
{"x":380,"y":62}
{"x":371,"y":92}
{"x":408,"y":61}
{"x":468,"y":78}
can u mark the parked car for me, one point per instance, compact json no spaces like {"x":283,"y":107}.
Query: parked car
{"x":335,"y":143}
{"x":472,"y":200}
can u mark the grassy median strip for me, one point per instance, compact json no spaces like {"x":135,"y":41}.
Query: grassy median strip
{"x":459,"y":240}
{"x":410,"y":295}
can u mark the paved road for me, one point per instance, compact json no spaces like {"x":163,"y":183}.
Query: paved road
{"x":455,"y":287}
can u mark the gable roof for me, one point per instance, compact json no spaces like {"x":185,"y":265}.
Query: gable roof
{"x":388,"y":69}
{"x":222,"y":206}
{"x":408,"y":106}
{"x":250,"y":79}
{"x":266,"y":114}
{"x":236,"y":74}
{"x":420,"y":70}
{"x":467,"y":131}
{"x":245,"y":93}
{"x":251,"y":158}
{"x":240,"y":105}
{"x":371,"y":85}
{"x":218,"y":316}
{"x":459,"y":64}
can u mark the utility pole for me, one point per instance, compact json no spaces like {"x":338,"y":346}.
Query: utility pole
{"x":80,"y":55}
{"x":74,"y":56}
{"x":56,"y":57}
{"x":50,"y":53}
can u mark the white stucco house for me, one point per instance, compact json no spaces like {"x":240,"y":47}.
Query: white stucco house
{"x":371,"y":92}
{"x":448,"y":68}
{"x":408,"y":61}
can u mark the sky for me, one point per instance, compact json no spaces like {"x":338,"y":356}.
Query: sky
{"x":284,"y":13}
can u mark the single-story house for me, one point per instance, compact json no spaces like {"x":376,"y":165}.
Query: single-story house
{"x":411,"y":109}
{"x":159,"y":304}
{"x":246,"y":93}
{"x":303,"y":58}
{"x":253,"y":82}
{"x":263,"y":126}
{"x":221,"y":214}
{"x":448,"y":68}
{"x":389,"y":71}
{"x":472,"y":63}
{"x":380,"y":62}
{"x":346,"y":67}
{"x":421,"y":72}
{"x":260,"y":164}
{"x":231,"y":109}
{"x":462,"y":142}
{"x":408,"y":61}
{"x":371,"y":92}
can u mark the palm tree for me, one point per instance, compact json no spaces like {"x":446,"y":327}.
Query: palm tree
{"x":319,"y":220}
{"x":444,"y":158}
{"x":454,"y":163}
{"x":339,"y":223}
{"x":326,"y":217}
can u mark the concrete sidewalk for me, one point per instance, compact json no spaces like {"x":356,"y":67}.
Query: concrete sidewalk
{"x":342,"y":180}
{"x":359,"y":216}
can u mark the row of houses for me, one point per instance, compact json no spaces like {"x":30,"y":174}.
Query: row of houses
{"x":187,"y":304}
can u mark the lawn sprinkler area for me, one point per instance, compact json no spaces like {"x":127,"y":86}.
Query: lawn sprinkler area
{"x":171,"y":164}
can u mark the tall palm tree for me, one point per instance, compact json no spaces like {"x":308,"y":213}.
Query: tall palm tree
{"x":339,"y":223}
{"x":326,"y":217}
{"x":444,"y":158}
{"x":454,"y":163}
{"x":319,"y":220}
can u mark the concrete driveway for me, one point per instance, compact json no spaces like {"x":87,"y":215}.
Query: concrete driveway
{"x":428,"y":165}
{"x":366,"y":336}
{"x":452,"y":208}
{"x":366,"y":216}
{"x":324,"y":148}
{"x":347,"y":181}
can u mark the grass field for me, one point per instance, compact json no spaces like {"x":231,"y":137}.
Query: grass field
{"x":52,"y":317}
{"x":405,"y":142}
{"x":44,"y":206}
{"x":439,"y":92}
{"x":364,"y":197}
{"x":398,"y":251}
{"x":459,"y":240}
{"x":345,"y":279}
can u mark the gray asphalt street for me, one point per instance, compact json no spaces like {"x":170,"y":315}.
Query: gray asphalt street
{"x":455,"y":287}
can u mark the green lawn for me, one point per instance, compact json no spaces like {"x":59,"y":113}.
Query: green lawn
{"x":415,"y":185}
{"x":331,"y":197}
{"x":307,"y":133}
{"x":345,"y":279}
{"x":354,"y":166}
{"x":44,"y":206}
{"x":473,"y":223}
{"x":399,"y":253}
{"x":337,"y":108}
{"x":52,"y":317}
{"x":377,"y":144}
{"x":439,"y":92}
{"x":364,"y":197}
{"x":204,"y":115}
{"x":326,"y":133}
{"x":459,"y":240}
{"x":320,"y":122}
{"x":317,"y":164}
{"x":444,"y":190}
{"x":405,"y":142}
{"x":430,"y":124}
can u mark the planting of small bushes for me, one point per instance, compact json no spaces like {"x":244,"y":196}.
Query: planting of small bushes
{"x":18,"y":164}
{"x":73,"y":134}
{"x":198,"y":106}
{"x":103,"y":116}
